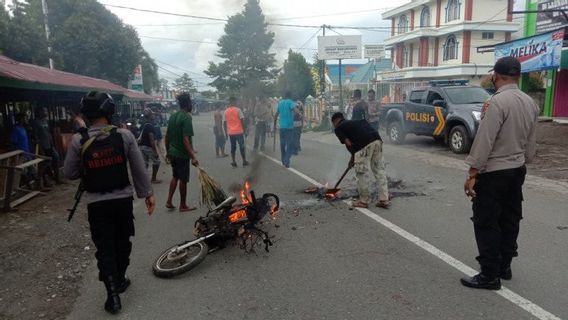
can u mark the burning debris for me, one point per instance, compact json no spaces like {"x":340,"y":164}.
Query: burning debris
{"x":350,"y":191}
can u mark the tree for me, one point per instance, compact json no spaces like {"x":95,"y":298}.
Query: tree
{"x":86,"y":39}
{"x":164,"y":84}
{"x":25,"y":38}
{"x":296,"y":76}
{"x":4,"y":18}
{"x":244,"y":48}
{"x":184,"y":84}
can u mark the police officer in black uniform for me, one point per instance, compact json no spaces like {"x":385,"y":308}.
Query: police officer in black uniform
{"x":100,"y":157}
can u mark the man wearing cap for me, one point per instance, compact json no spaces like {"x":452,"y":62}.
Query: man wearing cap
{"x":505,"y":142}
{"x":100,"y":157}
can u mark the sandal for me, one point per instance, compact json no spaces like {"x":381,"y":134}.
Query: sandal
{"x":359,"y":204}
{"x":385,"y":204}
{"x":187,"y":209}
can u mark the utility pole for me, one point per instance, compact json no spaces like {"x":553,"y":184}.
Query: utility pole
{"x":46,"y":25}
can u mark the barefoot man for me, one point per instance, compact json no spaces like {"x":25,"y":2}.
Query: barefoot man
{"x":180,"y":151}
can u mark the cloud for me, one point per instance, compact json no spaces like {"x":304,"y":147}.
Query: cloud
{"x":195,"y":57}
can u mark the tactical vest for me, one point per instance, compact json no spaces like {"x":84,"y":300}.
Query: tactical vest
{"x":104,"y":164}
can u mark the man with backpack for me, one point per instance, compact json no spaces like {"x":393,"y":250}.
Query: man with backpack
{"x":100,"y":157}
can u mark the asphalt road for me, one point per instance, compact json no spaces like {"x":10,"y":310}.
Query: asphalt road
{"x":330,"y":262}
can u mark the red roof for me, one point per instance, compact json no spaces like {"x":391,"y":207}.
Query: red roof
{"x":40,"y":75}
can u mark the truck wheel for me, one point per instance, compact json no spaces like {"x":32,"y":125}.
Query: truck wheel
{"x":459,"y":140}
{"x":396,"y":133}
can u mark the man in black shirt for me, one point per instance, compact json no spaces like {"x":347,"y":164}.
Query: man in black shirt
{"x":360,"y":108}
{"x":366,"y":148}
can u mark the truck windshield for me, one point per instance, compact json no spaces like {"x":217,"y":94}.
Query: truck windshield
{"x":467,"y":95}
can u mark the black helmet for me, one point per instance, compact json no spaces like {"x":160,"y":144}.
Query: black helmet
{"x":96,"y":104}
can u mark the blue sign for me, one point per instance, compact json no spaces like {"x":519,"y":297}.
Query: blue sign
{"x":536,"y":53}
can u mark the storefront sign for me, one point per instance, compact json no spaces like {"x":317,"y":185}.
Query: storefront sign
{"x":536,"y":53}
{"x":137,"y":82}
{"x":339,"y":47}
{"x":548,"y":21}
{"x":374,"y":51}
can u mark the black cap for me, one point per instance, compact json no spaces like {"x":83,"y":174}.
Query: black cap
{"x":507,"y":66}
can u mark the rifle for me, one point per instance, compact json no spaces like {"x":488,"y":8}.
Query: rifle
{"x":77,"y":197}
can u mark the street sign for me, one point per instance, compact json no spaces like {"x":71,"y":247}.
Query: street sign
{"x":374,"y":51}
{"x":339,"y":47}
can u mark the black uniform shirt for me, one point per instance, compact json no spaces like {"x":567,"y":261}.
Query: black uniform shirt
{"x":359,"y":111}
{"x":359,"y":132}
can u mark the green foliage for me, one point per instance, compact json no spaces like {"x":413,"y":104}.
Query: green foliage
{"x":25,"y":38}
{"x":4,"y":18}
{"x":535,"y":82}
{"x":296,"y":77}
{"x":86,"y":39}
{"x":184,"y":84}
{"x":244,"y":49}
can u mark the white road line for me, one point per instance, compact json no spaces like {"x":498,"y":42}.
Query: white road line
{"x":513,"y":297}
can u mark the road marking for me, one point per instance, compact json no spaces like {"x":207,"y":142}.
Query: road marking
{"x":513,"y":297}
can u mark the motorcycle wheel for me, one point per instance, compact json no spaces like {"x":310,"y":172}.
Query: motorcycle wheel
{"x":170,"y":264}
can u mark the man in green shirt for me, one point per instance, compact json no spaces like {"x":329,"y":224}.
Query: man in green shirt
{"x":180,"y":150}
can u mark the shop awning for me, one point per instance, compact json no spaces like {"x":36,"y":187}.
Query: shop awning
{"x":15,"y":74}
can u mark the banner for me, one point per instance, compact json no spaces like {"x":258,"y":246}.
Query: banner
{"x":536,"y":53}
{"x":548,"y":21}
{"x":339,"y":47}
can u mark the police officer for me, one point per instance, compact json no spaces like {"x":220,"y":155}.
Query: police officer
{"x":100,"y":157}
{"x":504,"y":143}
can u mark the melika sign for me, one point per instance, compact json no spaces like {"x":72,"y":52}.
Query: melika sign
{"x":536,"y":53}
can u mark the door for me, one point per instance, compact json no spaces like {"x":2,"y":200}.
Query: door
{"x":561,"y":94}
{"x":413,"y":107}
{"x":433,"y":115}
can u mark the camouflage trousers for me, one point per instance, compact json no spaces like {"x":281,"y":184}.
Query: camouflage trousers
{"x":371,"y":158}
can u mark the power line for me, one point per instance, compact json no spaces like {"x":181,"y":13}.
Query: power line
{"x":193,"y":72}
{"x":179,"y":24}
{"x":215,"y":43}
{"x":165,"y":13}
{"x":332,"y":14}
{"x":310,"y":38}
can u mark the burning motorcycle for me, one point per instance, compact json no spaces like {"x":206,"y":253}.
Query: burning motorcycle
{"x":221,"y":224}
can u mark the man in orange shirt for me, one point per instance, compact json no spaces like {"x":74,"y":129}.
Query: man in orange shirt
{"x":234,"y":128}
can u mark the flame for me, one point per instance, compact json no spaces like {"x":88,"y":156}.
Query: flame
{"x":331,"y":195}
{"x":238,"y":216}
{"x":245,"y":193}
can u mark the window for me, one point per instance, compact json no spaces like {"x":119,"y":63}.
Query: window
{"x":487,"y":35}
{"x":402,"y":24}
{"x":453,"y":10}
{"x":451,"y":48}
{"x":433,"y":96}
{"x":425,"y":17}
{"x":416,"y":96}
{"x":405,"y":58}
{"x":467,"y":95}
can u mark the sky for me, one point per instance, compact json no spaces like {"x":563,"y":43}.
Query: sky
{"x":192,"y":42}
{"x":179,"y":57}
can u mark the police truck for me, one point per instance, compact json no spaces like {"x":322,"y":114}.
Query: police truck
{"x":449,"y":111}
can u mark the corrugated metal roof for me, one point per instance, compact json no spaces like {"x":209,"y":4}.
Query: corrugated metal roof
{"x":36,"y":74}
{"x":137,"y":95}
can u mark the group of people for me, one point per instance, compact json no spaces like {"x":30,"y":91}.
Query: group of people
{"x":35,"y":138}
{"x":369,"y":110}
{"x":232,"y":124}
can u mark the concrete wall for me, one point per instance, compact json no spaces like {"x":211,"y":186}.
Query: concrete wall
{"x":476,"y":41}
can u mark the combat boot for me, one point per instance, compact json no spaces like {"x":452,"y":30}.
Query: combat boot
{"x":123,"y":284}
{"x":112,"y":303}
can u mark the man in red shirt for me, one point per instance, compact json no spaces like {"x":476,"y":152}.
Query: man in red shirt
{"x":234,"y":128}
